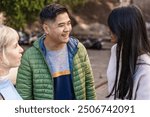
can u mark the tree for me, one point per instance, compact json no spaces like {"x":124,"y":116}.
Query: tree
{"x":24,"y":12}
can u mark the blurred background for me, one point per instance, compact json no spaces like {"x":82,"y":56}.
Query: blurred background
{"x":89,"y":21}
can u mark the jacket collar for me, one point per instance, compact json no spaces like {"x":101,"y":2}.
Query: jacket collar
{"x":72,"y":45}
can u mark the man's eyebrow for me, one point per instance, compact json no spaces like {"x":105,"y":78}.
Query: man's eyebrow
{"x":64,"y":22}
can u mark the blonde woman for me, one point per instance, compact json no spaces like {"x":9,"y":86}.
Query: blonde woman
{"x":10,"y":56}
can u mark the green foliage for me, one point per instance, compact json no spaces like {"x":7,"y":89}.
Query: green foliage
{"x":24,"y":12}
{"x":72,"y":3}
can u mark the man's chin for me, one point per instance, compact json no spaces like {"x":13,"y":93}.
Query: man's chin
{"x":65,"y":40}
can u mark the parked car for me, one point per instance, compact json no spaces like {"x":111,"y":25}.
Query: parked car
{"x":34,"y":36}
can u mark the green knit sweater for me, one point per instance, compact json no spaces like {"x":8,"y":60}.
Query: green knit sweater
{"x":34,"y":80}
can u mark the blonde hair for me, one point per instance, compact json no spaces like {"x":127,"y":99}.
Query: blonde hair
{"x":6,"y":37}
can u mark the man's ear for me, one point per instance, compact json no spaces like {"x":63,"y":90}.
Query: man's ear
{"x":46,"y":28}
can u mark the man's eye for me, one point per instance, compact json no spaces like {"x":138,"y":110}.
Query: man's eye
{"x":60,"y":25}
